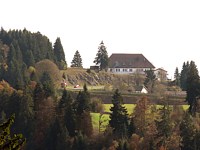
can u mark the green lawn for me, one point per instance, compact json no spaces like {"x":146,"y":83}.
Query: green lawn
{"x":129,"y":107}
{"x":105,"y":117}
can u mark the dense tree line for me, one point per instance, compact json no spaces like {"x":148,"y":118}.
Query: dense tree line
{"x":20,"y":49}
{"x":49,"y":122}
{"x":189,"y":81}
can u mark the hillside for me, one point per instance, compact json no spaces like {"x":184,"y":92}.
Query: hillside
{"x":21,"y":49}
{"x":82,"y":76}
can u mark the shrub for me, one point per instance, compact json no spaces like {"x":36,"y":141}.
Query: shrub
{"x":96,"y":105}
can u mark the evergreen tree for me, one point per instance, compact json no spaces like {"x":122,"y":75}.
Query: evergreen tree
{"x":59,"y":54}
{"x":57,"y":136}
{"x":38,"y":95}
{"x":150,"y":80}
{"x":82,"y":105}
{"x":29,"y":58}
{"x":77,"y":60}
{"x":80,"y":142}
{"x":193,"y":89}
{"x":187,"y":132}
{"x":47,"y":84}
{"x":164,"y":126}
{"x":177,"y":77}
{"x":102,"y":57}
{"x":119,"y":120}
{"x":67,"y":106}
{"x":184,"y":75}
{"x":12,"y":54}
{"x":83,"y":101}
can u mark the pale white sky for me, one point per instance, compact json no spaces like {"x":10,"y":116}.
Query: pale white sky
{"x":166,"y":32}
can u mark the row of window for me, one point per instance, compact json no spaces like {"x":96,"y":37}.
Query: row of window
{"x":127,"y":70}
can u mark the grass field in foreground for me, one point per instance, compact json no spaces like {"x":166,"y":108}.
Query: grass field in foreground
{"x":105,"y":118}
{"x":130,"y":107}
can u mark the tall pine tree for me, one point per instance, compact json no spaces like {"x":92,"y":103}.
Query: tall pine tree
{"x":77,"y":60}
{"x":59,"y":54}
{"x":119,"y":120}
{"x":183,"y":76}
{"x":84,"y":121}
{"x":193,"y":89}
{"x":67,"y":106}
{"x":47,"y":84}
{"x":150,"y":80}
{"x":164,"y":127}
{"x":187,"y":132}
{"x":102,"y":57}
{"x":177,"y":77}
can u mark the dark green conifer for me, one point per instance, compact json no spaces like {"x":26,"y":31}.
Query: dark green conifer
{"x":59,"y":54}
{"x":83,"y":101}
{"x":77,"y":60}
{"x":119,"y":120}
{"x":150,"y":80}
{"x":47,"y":84}
{"x":187,"y":132}
{"x":102,"y":57}
{"x":67,"y":107}
{"x":184,"y":75}
{"x":177,"y":77}
{"x":193,"y":88}
{"x":164,"y":126}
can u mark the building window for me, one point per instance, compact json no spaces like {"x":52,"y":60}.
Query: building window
{"x":130,"y":70}
{"x":124,"y":70}
{"x":117,"y":70}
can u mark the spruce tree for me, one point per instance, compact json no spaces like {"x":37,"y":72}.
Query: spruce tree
{"x":102,"y":57}
{"x":193,"y":89}
{"x":183,"y":76}
{"x":164,"y":126}
{"x":66,"y":104}
{"x":47,"y":84}
{"x":177,"y":77}
{"x":150,"y":80}
{"x":83,"y":101}
{"x":77,"y":60}
{"x":187,"y":132}
{"x":59,"y":54}
{"x":84,"y":123}
{"x":119,"y":120}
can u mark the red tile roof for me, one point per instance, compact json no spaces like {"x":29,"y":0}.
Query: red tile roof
{"x":129,"y":61}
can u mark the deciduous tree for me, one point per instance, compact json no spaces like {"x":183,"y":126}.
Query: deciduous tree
{"x":7,"y":140}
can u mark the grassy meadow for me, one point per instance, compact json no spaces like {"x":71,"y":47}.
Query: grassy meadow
{"x":105,"y":117}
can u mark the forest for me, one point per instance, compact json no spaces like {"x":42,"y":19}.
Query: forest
{"x":37,"y":115}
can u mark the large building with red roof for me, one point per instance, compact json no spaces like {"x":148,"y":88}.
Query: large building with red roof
{"x":129,"y":63}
